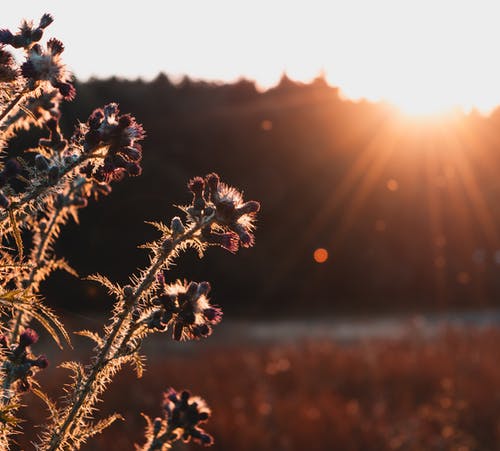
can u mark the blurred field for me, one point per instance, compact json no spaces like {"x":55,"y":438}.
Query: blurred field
{"x":416,"y":392}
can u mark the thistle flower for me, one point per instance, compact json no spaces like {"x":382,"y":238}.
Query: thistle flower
{"x":183,"y":414}
{"x":27,"y":338}
{"x":233,"y":218}
{"x":27,"y":35}
{"x":20,"y":363}
{"x":187,"y":309}
{"x":45,"y":66}
{"x":120,"y":134}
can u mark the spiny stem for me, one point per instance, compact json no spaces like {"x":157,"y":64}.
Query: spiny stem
{"x":168,"y":248}
{"x":159,"y":441}
{"x":41,"y":190}
{"x":12,"y":104}
{"x":37,"y":260}
{"x":18,"y":320}
{"x":6,"y":395}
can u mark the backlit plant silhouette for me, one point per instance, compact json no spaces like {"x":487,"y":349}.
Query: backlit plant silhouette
{"x":44,"y":189}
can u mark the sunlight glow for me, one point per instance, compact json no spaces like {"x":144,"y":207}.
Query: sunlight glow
{"x":423,"y":56}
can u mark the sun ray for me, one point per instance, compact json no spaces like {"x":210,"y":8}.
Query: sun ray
{"x":384,"y":146}
{"x":436,"y":220}
{"x":368,"y":157}
{"x":472,"y":189}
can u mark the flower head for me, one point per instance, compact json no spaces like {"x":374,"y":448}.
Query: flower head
{"x":233,"y":218}
{"x":28,"y":33}
{"x":184,"y":413}
{"x":187,"y":309}
{"x":28,"y":337}
{"x":120,"y":134}
{"x":20,"y":364}
{"x":46,"y":66}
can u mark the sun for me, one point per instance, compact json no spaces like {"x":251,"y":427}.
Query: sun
{"x":426,"y":58}
{"x":424,"y":106}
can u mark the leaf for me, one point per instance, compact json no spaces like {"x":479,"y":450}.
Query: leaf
{"x":76,"y":368}
{"x":11,"y":296}
{"x":65,"y":266}
{"x":96,"y":428}
{"x":6,"y":415}
{"x":153,"y":245}
{"x":114,"y":289}
{"x":33,"y":307}
{"x":92,"y":335}
{"x":16,"y":233}
{"x":138,"y":362}
{"x":48,"y":402}
{"x":160,"y":227}
{"x":8,"y":267}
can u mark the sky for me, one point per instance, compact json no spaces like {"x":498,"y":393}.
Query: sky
{"x":423,"y":56}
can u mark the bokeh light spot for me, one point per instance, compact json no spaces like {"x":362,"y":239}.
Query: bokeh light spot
{"x":266,"y":125}
{"x":320,"y":255}
{"x":392,"y":185}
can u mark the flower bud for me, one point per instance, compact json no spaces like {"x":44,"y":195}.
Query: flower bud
{"x":46,"y":20}
{"x":196,"y":185}
{"x":203,"y":288}
{"x":176,"y":226}
{"x":41,"y":163}
{"x":249,"y":207}
{"x":6,"y":37}
{"x":192,"y":290}
{"x":41,"y":362}
{"x":28,"y":337}
{"x":55,"y":46}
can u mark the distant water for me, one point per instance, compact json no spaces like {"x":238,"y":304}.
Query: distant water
{"x":354,"y":329}
{"x":342,"y":330}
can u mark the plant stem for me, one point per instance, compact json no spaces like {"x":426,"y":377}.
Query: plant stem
{"x":167,"y":249}
{"x":159,"y":441}
{"x":38,"y":258}
{"x":39,"y":191}
{"x":13,"y":103}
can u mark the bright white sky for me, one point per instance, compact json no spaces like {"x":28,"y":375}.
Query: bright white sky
{"x":424,"y":56}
